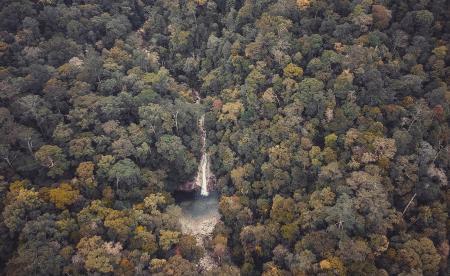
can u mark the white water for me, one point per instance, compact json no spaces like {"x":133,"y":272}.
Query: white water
{"x":201,"y":214}
{"x":204,"y":171}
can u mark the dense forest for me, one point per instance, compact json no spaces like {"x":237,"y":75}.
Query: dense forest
{"x":326,"y":124}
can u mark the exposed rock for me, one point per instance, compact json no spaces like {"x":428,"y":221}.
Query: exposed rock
{"x":199,"y":218}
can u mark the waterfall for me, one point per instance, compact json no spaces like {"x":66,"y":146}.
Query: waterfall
{"x":204,"y":172}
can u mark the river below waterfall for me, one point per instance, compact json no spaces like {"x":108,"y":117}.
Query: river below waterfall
{"x":199,"y":216}
{"x":200,"y":212}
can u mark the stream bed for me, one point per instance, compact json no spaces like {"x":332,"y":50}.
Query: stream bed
{"x":199,"y":216}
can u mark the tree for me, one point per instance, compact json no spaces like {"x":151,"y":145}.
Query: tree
{"x":13,"y":13}
{"x":21,"y":206}
{"x":423,"y":19}
{"x":34,"y":108}
{"x":333,"y":264}
{"x":231,"y":112}
{"x":104,"y":164}
{"x":54,"y":93}
{"x":60,"y":49}
{"x":189,"y":249}
{"x":420,"y":254}
{"x":156,"y":119}
{"x":381,"y":16}
{"x":170,"y":147}
{"x":168,"y":238}
{"x":145,"y":240}
{"x":119,"y":224}
{"x":303,"y":4}
{"x":154,"y":203}
{"x":178,"y":266}
{"x":38,"y":252}
{"x":92,"y":67}
{"x":283,"y":209}
{"x":53,"y":158}
{"x":62,"y":133}
{"x":312,"y":95}
{"x":293,"y":71}
{"x":85,"y":173}
{"x":124,"y":171}
{"x":343,"y":85}
{"x":116,"y":27}
{"x":259,"y":239}
{"x":123,"y":148}
{"x":233,"y":212}
{"x":97,"y":255}
{"x":240,"y":177}
{"x":63,"y":196}
{"x":81,"y":147}
{"x":161,"y":81}
{"x":370,"y":192}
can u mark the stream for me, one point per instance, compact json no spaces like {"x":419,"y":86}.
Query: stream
{"x":204,"y":178}
{"x":204,"y":174}
{"x":200,"y":211}
{"x":200,"y":214}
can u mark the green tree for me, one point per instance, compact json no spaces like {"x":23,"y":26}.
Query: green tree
{"x":124,"y":171}
{"x":283,"y":209}
{"x":81,"y":148}
{"x":170,"y":147}
{"x":53,"y":158}
{"x":38,"y":252}
{"x":21,"y":206}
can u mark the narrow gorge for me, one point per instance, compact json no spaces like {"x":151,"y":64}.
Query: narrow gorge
{"x":200,"y":212}
{"x":198,"y":202}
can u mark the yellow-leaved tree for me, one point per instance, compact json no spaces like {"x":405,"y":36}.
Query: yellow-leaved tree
{"x":63,"y":196}
{"x":303,"y":4}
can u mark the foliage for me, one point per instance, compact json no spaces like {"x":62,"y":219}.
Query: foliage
{"x":325,"y":124}
{"x":63,"y":196}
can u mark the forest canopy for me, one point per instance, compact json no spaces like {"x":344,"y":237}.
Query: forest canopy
{"x":326,"y":125}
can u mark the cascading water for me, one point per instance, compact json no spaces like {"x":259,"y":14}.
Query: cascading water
{"x":204,"y":178}
{"x":204,"y":172}
{"x":199,"y":214}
